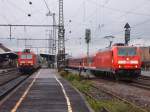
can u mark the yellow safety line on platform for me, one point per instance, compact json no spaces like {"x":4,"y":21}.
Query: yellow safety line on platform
{"x":66,"y":97}
{"x":24,"y":94}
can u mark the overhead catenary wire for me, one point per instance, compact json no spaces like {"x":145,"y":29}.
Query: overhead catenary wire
{"x":119,"y":32}
{"x":16,"y":6}
{"x":134,"y":26}
{"x":115,"y":10}
{"x":47,"y":6}
{"x":135,"y":8}
{"x":23,"y":11}
{"x":4,"y":16}
{"x":119,"y":10}
{"x":126,"y":12}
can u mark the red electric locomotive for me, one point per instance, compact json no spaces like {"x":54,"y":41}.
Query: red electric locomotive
{"x":118,"y":61}
{"x":27,"y":61}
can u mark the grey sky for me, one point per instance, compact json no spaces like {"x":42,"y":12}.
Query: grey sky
{"x":104,"y":17}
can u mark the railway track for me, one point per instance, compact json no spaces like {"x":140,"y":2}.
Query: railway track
{"x":110,"y":93}
{"x":113,"y":95}
{"x":142,"y":82}
{"x":90,"y":95}
{"x":10,"y":80}
{"x":144,"y":78}
{"x":7,"y":76}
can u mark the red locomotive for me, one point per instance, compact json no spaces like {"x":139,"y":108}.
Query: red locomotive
{"x":119,"y":61}
{"x":27,"y":61}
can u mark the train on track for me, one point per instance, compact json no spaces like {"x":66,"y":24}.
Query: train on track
{"x":145,"y":57}
{"x":28,"y":61}
{"x":118,"y":61}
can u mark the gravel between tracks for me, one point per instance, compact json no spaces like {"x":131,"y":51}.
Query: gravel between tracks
{"x":5,"y":77}
{"x":136,"y":95}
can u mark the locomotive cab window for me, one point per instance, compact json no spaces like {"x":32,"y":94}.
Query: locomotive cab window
{"x":23,"y":56}
{"x":127,"y":51}
{"x":29,"y":56}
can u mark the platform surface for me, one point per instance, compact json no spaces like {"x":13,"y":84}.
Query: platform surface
{"x":146,"y":73}
{"x":43,"y":92}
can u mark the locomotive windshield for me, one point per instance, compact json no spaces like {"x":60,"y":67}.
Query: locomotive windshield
{"x":24,"y":56}
{"x":29,"y":56}
{"x":127,"y":51}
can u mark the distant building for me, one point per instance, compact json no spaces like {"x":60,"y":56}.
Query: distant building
{"x":7,"y":57}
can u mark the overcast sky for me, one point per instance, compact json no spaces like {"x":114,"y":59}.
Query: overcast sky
{"x":103,"y":17}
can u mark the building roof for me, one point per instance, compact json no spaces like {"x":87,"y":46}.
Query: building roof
{"x":4,"y":49}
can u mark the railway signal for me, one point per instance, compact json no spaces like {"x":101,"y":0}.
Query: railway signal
{"x":88,"y":39}
{"x":87,"y":36}
{"x":127,"y":33}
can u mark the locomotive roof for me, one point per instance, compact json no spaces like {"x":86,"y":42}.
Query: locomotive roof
{"x":109,"y":48}
{"x":21,"y":52}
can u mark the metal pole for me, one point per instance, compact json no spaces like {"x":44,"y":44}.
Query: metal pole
{"x":49,"y":42}
{"x":10,"y":32}
{"x":25,"y":43}
{"x":54,"y":41}
{"x":61,"y":38}
{"x":88,"y":61}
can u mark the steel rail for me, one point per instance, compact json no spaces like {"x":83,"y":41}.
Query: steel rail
{"x":118,"y":97}
{"x":93,"y":98}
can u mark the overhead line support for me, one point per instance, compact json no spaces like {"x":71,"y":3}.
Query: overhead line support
{"x":61,"y":38}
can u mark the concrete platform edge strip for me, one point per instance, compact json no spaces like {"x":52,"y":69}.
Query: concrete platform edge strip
{"x":24,"y":94}
{"x":15,"y":89}
{"x":81,"y":95}
{"x":65,"y":94}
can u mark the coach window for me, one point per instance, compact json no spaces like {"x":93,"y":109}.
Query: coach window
{"x":91,"y":59}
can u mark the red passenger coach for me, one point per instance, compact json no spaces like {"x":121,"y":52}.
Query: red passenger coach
{"x":27,"y":61}
{"x":118,"y":61}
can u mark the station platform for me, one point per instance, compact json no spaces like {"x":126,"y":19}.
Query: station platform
{"x":45,"y":91}
{"x":146,"y":73}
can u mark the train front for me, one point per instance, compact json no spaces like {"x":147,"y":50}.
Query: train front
{"x":25,"y":62}
{"x":127,"y":61}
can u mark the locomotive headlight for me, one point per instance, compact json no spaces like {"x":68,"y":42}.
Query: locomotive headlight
{"x":136,"y":66}
{"x":122,"y":62}
{"x":22,"y":62}
{"x":134,"y":62}
{"x":30,"y":62}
